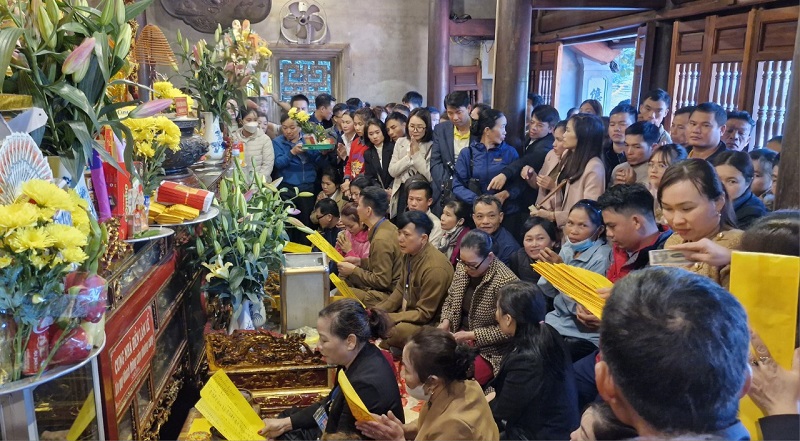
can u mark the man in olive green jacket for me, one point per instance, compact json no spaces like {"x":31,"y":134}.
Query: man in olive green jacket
{"x":425,"y":276}
{"x":374,"y":278}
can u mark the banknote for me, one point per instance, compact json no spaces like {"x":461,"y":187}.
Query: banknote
{"x":668,"y":258}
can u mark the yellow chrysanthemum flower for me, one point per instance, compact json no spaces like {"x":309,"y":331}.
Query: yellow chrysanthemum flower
{"x":74,"y":255}
{"x":5,"y":261}
{"x":47,"y":194}
{"x":66,"y":236}
{"x":77,"y":199}
{"x":145,"y":149}
{"x":18,"y":215}
{"x":292,"y":112}
{"x":302,"y":116}
{"x":80,"y":220}
{"x":32,"y":239}
{"x":163,"y":89}
{"x":39,"y":261}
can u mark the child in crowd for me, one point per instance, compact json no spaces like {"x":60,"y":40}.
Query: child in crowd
{"x":662,"y":158}
{"x":763,"y":164}
{"x":353,"y":240}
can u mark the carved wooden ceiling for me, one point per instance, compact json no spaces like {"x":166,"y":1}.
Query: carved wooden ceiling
{"x":203,"y":15}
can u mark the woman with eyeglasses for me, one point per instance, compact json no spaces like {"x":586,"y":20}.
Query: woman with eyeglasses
{"x":585,"y":247}
{"x":468,"y":310}
{"x":411,"y":158}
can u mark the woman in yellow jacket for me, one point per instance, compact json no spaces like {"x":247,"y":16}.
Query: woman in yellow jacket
{"x":436,"y":370}
{"x":257,"y":145}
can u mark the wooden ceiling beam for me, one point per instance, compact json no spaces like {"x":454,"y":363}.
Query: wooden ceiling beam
{"x":594,"y":5}
{"x":482,"y":28}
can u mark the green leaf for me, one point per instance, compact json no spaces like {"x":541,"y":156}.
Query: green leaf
{"x":236,"y":278}
{"x":73,"y":26}
{"x":109,"y":109}
{"x":75,"y":97}
{"x":101,"y":50}
{"x":89,"y":144}
{"x":133,"y":11}
{"x":8,"y":41}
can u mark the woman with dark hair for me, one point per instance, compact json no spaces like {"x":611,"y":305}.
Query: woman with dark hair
{"x":380,"y":149}
{"x":358,"y":185}
{"x":538,"y":234}
{"x":468,"y":310}
{"x":437,"y":369}
{"x":584,"y":247}
{"x":591,"y":107}
{"x":477,"y":108}
{"x":479,"y":163}
{"x":598,"y":422}
{"x":455,"y":216}
{"x":535,"y":388}
{"x":582,"y":173}
{"x":345,"y":330}
{"x":411,"y":158}
{"x":353,"y":240}
{"x":257,"y":146}
{"x":695,"y":207}
{"x":735,"y":170}
{"x":661,"y":159}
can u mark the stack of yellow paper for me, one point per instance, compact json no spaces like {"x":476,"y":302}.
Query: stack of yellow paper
{"x":227,"y":410}
{"x":579,"y":284}
{"x":344,"y":289}
{"x":357,"y":407}
{"x":292,"y":247}
{"x":325,"y":247}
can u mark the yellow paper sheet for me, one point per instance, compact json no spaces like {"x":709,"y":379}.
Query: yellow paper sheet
{"x":579,"y":284}
{"x":85,"y":416}
{"x":292,"y":247}
{"x":357,"y":407}
{"x":227,"y":410}
{"x":344,"y":289}
{"x":767,"y":286}
{"x":325,"y":247}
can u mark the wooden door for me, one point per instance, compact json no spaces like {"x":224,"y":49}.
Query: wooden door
{"x":545,"y":61}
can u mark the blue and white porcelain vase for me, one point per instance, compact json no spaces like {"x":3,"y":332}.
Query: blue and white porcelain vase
{"x":213,"y":134}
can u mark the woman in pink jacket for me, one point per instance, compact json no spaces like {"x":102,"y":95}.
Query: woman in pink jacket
{"x":582,"y":175}
{"x":353,"y":240}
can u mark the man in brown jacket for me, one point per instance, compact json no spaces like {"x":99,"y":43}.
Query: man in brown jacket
{"x":424,"y":279}
{"x":374,"y":278}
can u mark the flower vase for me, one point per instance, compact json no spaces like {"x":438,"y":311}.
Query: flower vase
{"x":213,"y":135}
{"x":244,"y":321}
{"x":7,"y":331}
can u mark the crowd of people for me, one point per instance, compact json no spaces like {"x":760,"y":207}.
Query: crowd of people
{"x":439,"y":220}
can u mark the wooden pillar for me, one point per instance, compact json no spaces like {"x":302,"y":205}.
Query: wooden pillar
{"x":438,"y":51}
{"x":788,"y":194}
{"x":512,"y":39}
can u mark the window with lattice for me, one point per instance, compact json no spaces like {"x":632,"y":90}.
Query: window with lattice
{"x":308,"y":76}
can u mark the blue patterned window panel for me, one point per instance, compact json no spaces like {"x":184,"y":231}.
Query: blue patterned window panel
{"x":309,"y":77}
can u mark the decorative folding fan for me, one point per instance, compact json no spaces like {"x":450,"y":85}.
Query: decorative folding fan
{"x":153,"y":48}
{"x":20,"y":161}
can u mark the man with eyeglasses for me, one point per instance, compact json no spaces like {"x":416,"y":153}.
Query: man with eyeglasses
{"x":488,"y":215}
{"x":425,"y":276}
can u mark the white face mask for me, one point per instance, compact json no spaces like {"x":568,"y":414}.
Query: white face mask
{"x":419,"y":393}
{"x":251,"y":127}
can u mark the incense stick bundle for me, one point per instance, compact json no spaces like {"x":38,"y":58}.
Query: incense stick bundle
{"x":579,"y":284}
{"x":173,"y":193}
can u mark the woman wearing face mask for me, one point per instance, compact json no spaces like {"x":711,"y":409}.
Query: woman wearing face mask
{"x":454,"y":218}
{"x":353,"y":240}
{"x":258,"y":150}
{"x":436,"y":368}
{"x":411,"y":158}
{"x":695,"y":206}
{"x":585,"y":247}
{"x":661,"y":159}
{"x":468,"y":309}
{"x":582,"y":175}
{"x":535,"y":388}
{"x":539,"y":234}
{"x":735,"y":170}
{"x":380,"y":149}
{"x":345,"y":330}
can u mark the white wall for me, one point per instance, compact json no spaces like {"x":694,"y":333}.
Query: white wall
{"x":388,"y":42}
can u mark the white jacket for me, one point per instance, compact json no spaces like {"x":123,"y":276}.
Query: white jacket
{"x":258,"y":149}
{"x":402,"y":167}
